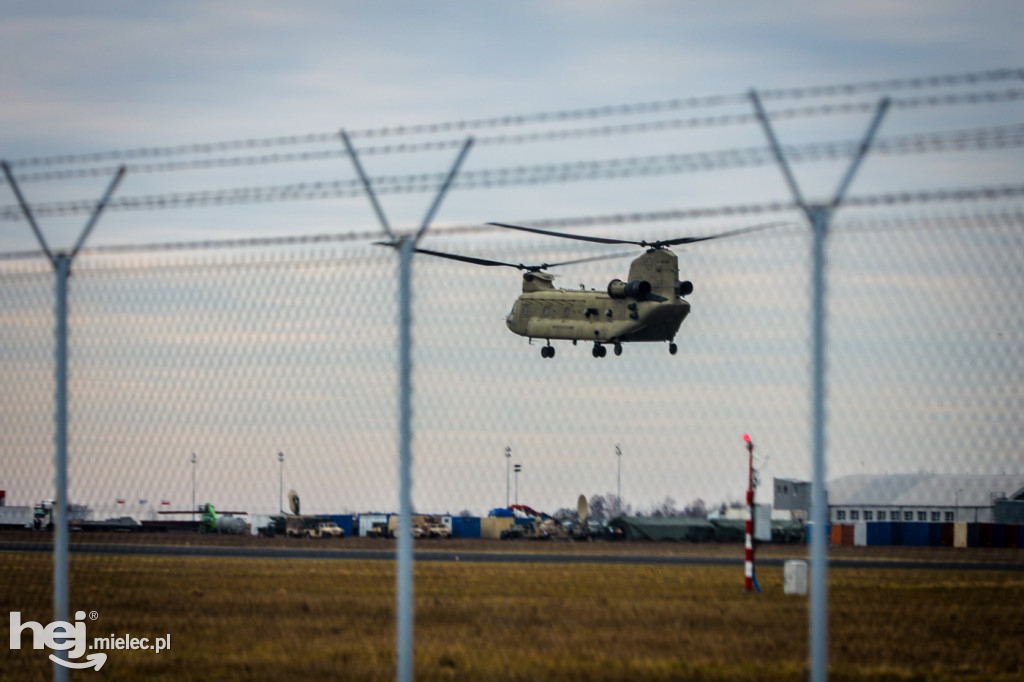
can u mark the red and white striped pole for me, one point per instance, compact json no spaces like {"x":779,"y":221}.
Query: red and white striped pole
{"x":748,"y":565}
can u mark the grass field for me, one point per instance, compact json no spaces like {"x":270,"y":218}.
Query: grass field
{"x":248,"y":619}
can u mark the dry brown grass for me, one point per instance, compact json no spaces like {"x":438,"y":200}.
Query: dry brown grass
{"x":242,"y":619}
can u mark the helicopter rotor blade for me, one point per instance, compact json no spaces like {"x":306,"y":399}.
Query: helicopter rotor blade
{"x":564,"y":235}
{"x":720,"y":235}
{"x":655,"y":244}
{"x":471,"y":259}
{"x":518,"y":266}
{"x":610,"y":256}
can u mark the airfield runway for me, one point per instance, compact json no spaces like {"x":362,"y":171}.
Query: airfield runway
{"x":523,"y":552}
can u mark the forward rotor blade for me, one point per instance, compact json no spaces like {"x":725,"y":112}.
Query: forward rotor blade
{"x":611,"y":256}
{"x":455,"y":256}
{"x":564,"y":235}
{"x":471,"y":259}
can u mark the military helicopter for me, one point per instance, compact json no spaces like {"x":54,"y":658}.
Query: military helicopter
{"x":649,"y":306}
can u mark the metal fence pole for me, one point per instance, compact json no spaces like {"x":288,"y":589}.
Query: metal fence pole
{"x":62,"y":263}
{"x":404,"y":556}
{"x":59,"y":514}
{"x":818,"y":216}
{"x":819,"y":498}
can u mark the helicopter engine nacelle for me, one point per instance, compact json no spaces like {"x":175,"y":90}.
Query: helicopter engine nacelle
{"x":637,"y":289}
{"x":685,"y":288}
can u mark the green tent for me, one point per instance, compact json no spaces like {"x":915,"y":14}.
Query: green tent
{"x":658,"y":529}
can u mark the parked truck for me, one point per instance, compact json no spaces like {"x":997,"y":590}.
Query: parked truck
{"x":305,"y":526}
{"x":423,"y":527}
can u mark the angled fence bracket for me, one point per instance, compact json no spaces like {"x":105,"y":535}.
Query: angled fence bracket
{"x":819,"y":217}
{"x":61,"y":262}
{"x":406,"y":246}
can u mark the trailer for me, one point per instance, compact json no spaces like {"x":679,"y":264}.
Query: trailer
{"x":12,"y":518}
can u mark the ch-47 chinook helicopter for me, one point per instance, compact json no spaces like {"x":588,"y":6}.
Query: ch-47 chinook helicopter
{"x":649,"y":306}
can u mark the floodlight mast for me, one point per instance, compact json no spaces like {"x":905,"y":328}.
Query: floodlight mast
{"x":61,"y":262}
{"x":818,"y":215}
{"x":406,"y":246}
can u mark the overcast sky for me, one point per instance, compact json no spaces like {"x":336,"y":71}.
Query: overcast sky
{"x":95,"y":77}
{"x":79,"y":78}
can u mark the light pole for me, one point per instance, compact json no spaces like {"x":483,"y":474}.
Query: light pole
{"x":618,"y":493}
{"x":508,"y":473}
{"x":280,"y":483}
{"x":193,"y":486}
{"x":517,"y":468}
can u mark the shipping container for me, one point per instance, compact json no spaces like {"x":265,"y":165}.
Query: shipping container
{"x":984,"y":534}
{"x":344,"y":522}
{"x":836,"y":535}
{"x":948,"y":534}
{"x":880,"y":534}
{"x":897,"y":533}
{"x":465,"y":526}
{"x":999,"y":535}
{"x":860,"y":534}
{"x":935,"y":535}
{"x":915,"y":534}
{"x":492,"y":526}
{"x":960,"y":534}
{"x":973,"y":535}
{"x":367,"y":523}
{"x":848,"y":535}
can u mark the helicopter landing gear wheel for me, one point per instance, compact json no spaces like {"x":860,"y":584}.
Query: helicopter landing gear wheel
{"x":618,"y":349}
{"x":547,"y":352}
{"x":600,"y":351}
{"x":672,"y":349}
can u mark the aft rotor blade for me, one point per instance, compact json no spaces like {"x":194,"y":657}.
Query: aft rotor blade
{"x":730,"y":233}
{"x":564,"y":235}
{"x":655,"y":244}
{"x":518,"y":266}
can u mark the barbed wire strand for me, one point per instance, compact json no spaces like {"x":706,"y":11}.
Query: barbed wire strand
{"x":525,"y":138}
{"x":468,"y":125}
{"x":1005,"y":217}
{"x":1000,"y":137}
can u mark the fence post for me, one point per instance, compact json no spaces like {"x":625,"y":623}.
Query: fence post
{"x":59,"y":514}
{"x":406,"y":246}
{"x":818,"y":215}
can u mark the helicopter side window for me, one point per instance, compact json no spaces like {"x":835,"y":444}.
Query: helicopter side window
{"x":608,"y":313}
{"x":545,"y":311}
{"x":566,"y":312}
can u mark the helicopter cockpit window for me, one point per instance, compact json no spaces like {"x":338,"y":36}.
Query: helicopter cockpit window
{"x":524,"y":310}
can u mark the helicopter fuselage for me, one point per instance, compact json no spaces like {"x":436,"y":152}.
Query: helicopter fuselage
{"x":649,"y":307}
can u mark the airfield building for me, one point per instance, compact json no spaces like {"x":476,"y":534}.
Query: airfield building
{"x":942,"y":498}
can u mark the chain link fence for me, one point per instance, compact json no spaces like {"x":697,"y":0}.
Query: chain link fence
{"x":233,"y":373}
